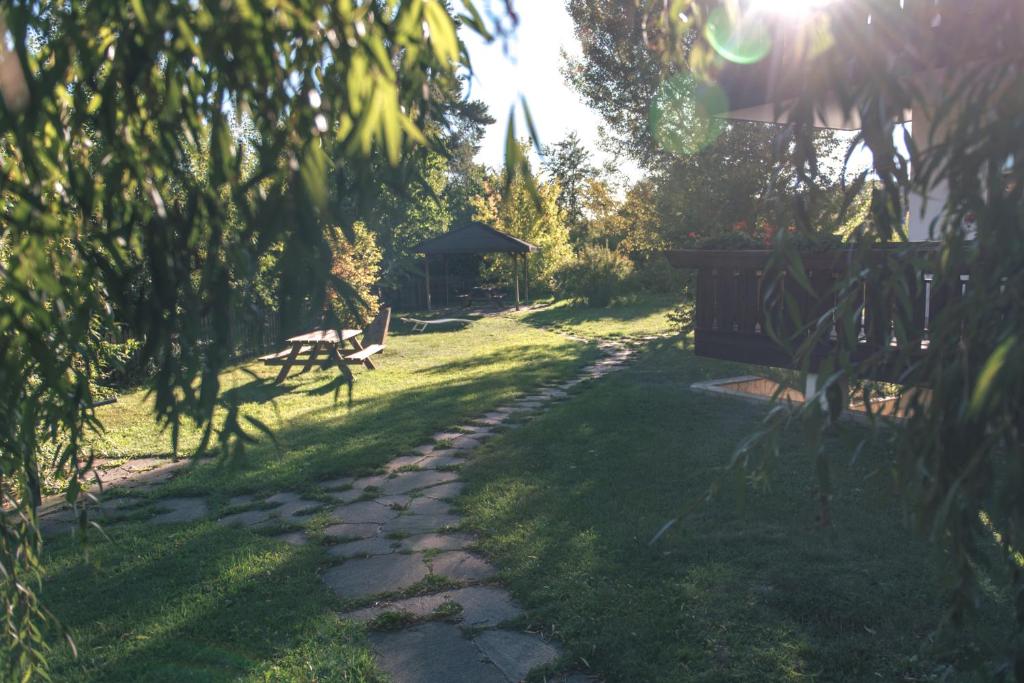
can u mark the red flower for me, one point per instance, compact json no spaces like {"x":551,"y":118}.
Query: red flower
{"x":692,"y":235}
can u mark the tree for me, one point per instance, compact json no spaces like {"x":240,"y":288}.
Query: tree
{"x":513,"y":208}
{"x":711,"y":175}
{"x":957,"y":454}
{"x":568,"y":162}
{"x":105,"y":106}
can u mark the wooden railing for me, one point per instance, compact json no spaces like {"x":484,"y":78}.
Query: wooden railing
{"x":740,"y":304}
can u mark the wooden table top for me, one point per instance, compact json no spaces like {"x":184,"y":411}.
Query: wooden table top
{"x":327,"y":336}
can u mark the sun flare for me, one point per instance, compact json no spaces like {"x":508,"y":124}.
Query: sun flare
{"x":790,"y":8}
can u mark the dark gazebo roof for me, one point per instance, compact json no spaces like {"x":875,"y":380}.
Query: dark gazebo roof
{"x":474,"y":238}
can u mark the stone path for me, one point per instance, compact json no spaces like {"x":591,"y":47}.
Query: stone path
{"x":398,"y":536}
{"x":434,"y":608}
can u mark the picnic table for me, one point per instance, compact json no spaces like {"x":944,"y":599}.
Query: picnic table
{"x":330,"y":344}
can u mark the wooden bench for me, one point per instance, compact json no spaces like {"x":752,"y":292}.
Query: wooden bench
{"x":373,"y":340}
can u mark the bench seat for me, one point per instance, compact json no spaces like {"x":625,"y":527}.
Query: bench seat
{"x":361,"y":356}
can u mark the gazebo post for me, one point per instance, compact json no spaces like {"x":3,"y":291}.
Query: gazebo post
{"x":526,"y":277}
{"x":446,"y":302}
{"x":426,"y":271}
{"x":515,"y":276}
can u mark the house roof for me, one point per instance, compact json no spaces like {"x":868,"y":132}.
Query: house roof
{"x":474,"y":238}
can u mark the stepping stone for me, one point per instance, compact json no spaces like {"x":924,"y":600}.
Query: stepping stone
{"x":178,"y":510}
{"x":365,"y":512}
{"x":420,"y":524}
{"x":369,"y":482}
{"x":428,"y":507}
{"x":250,"y":518}
{"x":420,"y":606}
{"x":296,"y":509}
{"x":393,"y":502}
{"x":367,"y":547}
{"x":484,"y":606}
{"x":424,"y":450}
{"x":437,"y":542}
{"x":293,"y":538}
{"x":446,"y":436}
{"x":516,"y":654}
{"x":374,"y":575}
{"x":431,"y":653}
{"x":447,"y":491}
{"x":335,"y":484}
{"x":352,"y":531}
{"x":410,"y":481}
{"x":347,"y":496}
{"x":283,"y":498}
{"x":403,"y":461}
{"x":491,"y":419}
{"x":522,"y":407}
{"x":465,"y":443}
{"x":459,"y":565}
{"x":442,"y":462}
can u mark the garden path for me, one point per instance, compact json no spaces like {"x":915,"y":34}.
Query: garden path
{"x":434,"y":609}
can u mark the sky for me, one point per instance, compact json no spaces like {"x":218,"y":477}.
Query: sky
{"x":530,"y":65}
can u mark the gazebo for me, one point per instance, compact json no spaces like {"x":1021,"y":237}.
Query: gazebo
{"x":476,"y":238}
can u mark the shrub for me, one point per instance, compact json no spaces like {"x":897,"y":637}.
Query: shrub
{"x":597,"y":275}
{"x":356,"y":264}
{"x":121,"y":364}
{"x":656,"y":275}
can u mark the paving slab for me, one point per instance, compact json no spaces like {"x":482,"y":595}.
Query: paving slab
{"x":352,"y":531}
{"x":395,"y":502}
{"x":465,"y":443}
{"x":484,"y":606}
{"x":335,"y":484}
{"x":250,"y":518}
{"x":369,"y":482}
{"x":432,"y":653}
{"x":516,"y":654}
{"x":296,"y":510}
{"x":404,"y":461}
{"x":282,"y":498}
{"x":420,"y":524}
{"x":293,"y":538}
{"x":179,"y":510}
{"x":446,"y":436}
{"x":346,"y":496}
{"x":411,"y":481}
{"x":429,"y":507}
{"x":373,"y":575}
{"x":363,"y":512}
{"x":437,"y":542}
{"x":419,"y":606}
{"x":459,"y":565}
{"x":442,"y":462}
{"x":445,"y":491}
{"x":367,"y":547}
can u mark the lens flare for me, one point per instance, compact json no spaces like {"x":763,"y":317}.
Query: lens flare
{"x":741,"y":37}
{"x":683,"y":115}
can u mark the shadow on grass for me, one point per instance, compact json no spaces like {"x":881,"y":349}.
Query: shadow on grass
{"x":740,"y":589}
{"x":196,"y":602}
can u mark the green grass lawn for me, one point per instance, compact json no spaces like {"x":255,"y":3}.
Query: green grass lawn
{"x":564,"y":505}
{"x":632,"y":317}
{"x":204,"y":603}
{"x":747,"y":589}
